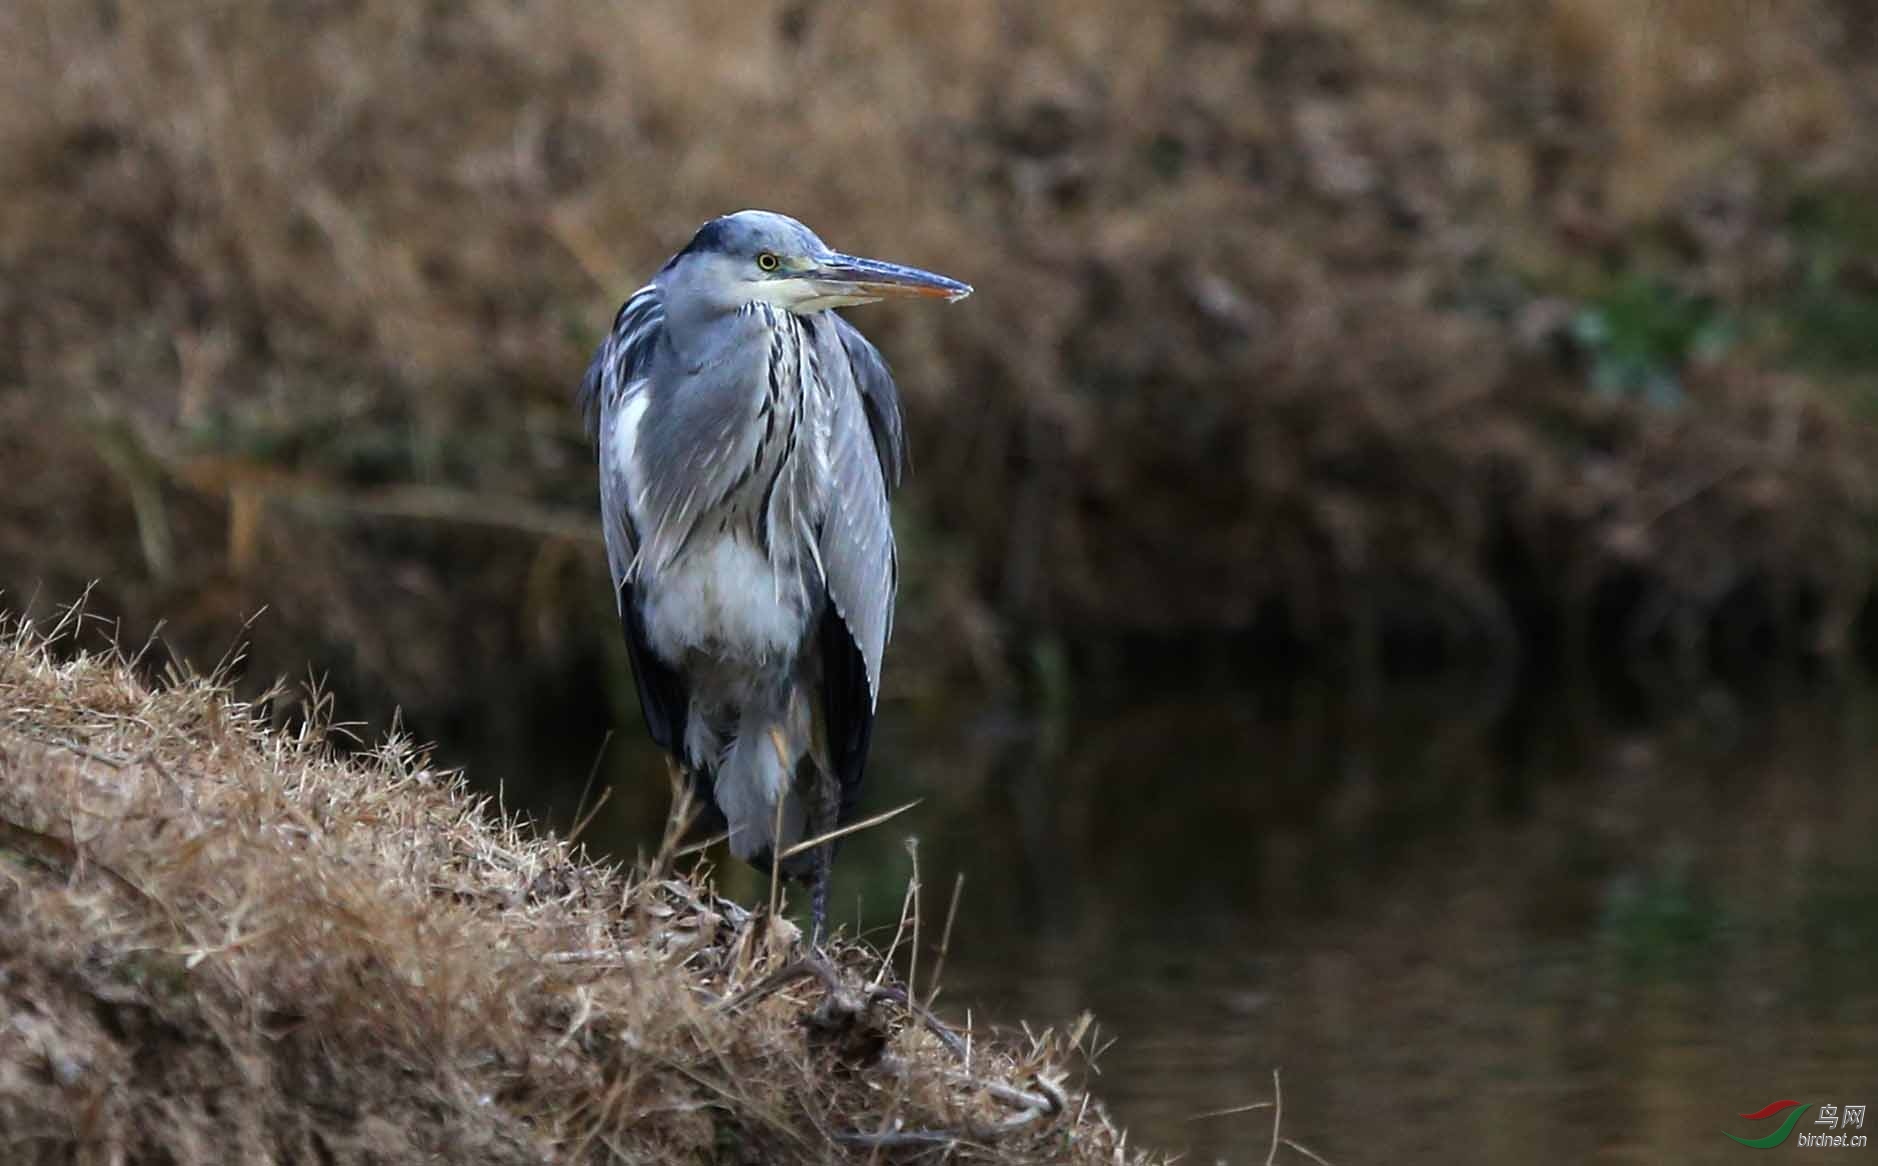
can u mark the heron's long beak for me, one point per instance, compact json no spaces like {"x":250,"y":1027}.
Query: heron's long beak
{"x":852,"y":278}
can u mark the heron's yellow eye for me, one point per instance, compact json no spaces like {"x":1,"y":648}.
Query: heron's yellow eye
{"x":768,"y":262}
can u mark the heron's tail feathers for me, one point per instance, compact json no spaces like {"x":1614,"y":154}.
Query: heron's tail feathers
{"x":758,"y":774}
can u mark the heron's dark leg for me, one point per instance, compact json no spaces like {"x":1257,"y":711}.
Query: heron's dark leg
{"x":822,"y":809}
{"x":818,"y":894}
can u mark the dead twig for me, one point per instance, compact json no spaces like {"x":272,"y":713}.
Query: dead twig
{"x":945,"y":938}
{"x":1313,"y":1155}
{"x":897,"y":1138}
{"x":778,"y":980}
{"x":1034,"y":1107}
{"x":809,"y":844}
{"x":1278,"y":1113}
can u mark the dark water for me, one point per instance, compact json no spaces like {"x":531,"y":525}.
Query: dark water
{"x":1464,"y":929}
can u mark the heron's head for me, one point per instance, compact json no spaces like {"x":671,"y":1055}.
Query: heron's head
{"x":761,"y":256}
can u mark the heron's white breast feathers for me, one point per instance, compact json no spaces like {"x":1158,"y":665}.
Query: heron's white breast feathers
{"x":721,"y":597}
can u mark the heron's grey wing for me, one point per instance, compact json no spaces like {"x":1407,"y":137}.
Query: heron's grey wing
{"x":856,"y":543}
{"x":625,"y":355}
{"x":879,"y":397}
{"x":613,"y":398}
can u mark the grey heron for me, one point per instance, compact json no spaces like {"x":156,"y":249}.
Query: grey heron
{"x":748,"y":440}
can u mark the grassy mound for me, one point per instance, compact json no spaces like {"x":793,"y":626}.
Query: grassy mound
{"x":223,"y":942}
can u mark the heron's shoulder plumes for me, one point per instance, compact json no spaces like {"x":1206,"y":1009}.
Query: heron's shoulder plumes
{"x":624,"y":355}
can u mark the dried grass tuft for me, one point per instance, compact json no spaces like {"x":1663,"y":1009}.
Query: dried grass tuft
{"x":225,"y":942}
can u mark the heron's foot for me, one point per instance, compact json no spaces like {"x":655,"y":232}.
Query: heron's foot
{"x":847,"y":1007}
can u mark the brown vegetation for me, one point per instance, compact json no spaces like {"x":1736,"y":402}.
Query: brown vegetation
{"x":220,"y":943}
{"x":1276,"y":304}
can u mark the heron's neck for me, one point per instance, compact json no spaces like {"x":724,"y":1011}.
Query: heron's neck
{"x":789,"y":369}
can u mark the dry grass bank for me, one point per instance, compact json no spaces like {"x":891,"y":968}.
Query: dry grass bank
{"x":219,"y":943}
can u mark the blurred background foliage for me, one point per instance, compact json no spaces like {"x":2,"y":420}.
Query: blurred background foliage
{"x":1345,"y":340}
{"x":1298,"y":320}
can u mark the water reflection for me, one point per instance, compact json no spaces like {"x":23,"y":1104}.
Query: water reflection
{"x":1464,"y":929}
